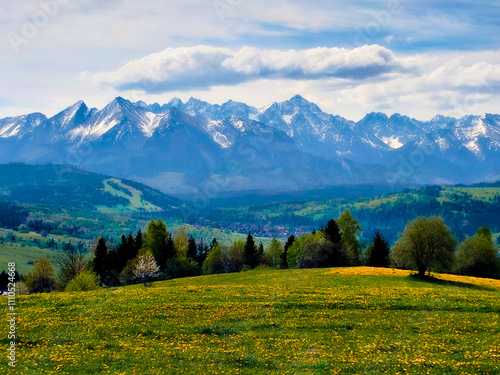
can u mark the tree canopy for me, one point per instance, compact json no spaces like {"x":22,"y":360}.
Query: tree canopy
{"x":425,"y":244}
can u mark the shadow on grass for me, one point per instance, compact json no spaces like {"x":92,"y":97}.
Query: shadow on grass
{"x":459,"y":284}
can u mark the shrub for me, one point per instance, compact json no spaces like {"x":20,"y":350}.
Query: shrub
{"x":84,"y":281}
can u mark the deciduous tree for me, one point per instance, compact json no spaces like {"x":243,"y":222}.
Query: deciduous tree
{"x":425,"y":244}
{"x":478,"y":256}
{"x":146,"y":268}
{"x":349,"y":229}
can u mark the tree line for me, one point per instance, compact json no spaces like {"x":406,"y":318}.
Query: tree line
{"x":426,"y":245}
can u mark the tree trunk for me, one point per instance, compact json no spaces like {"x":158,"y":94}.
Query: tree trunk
{"x":421,"y":272}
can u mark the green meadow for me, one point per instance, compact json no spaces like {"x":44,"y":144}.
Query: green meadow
{"x":314,"y":321}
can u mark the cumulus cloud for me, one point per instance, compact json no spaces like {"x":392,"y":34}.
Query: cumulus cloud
{"x":202,"y":67}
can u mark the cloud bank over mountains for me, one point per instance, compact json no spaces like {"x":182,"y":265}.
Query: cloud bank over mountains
{"x":204,"y":66}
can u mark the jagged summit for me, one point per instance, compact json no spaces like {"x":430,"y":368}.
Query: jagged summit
{"x":284,"y":145}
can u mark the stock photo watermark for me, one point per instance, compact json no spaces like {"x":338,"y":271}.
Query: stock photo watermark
{"x":378,"y":21}
{"x":31,"y":26}
{"x":224,"y":7}
{"x":11,"y":314}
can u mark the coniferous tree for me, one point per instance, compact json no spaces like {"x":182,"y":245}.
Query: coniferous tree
{"x":251,"y":252}
{"x":138,"y":241}
{"x":214,"y":243}
{"x":378,"y":252}
{"x":333,"y":255}
{"x":332,"y":232}
{"x":122,"y":253}
{"x":131,"y":247}
{"x":191,"y":250}
{"x":100,"y":259}
{"x":202,"y":252}
{"x":4,"y":280}
{"x":288,"y":244}
{"x":260,"y":254}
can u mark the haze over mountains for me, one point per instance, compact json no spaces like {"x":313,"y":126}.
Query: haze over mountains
{"x":200,"y":148}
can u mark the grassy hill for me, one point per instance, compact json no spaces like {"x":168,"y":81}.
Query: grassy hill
{"x":322,"y":321}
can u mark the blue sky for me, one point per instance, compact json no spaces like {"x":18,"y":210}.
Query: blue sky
{"x":419,"y":58}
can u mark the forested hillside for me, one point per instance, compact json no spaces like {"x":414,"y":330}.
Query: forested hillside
{"x":464,"y":208}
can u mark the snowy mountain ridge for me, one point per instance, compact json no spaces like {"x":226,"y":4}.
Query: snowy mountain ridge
{"x":153,"y":142}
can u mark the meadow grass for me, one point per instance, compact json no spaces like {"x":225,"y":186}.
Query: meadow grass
{"x":134,"y":197}
{"x":23,"y":256}
{"x":317,"y":321}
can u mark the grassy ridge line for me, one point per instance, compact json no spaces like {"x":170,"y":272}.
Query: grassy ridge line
{"x":322,"y":321}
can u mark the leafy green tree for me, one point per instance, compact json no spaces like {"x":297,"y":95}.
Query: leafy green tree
{"x":235,"y":256}
{"x":308,"y":251}
{"x":84,"y":281}
{"x":159,"y":242}
{"x":181,"y":242}
{"x":284,"y":257}
{"x":214,"y":263}
{"x":378,"y":252}
{"x":41,"y":279}
{"x":425,"y":244}
{"x":274,"y":253}
{"x":314,"y":251}
{"x":251,"y":252}
{"x":349,"y":229}
{"x":181,"y":267}
{"x":478,"y":256}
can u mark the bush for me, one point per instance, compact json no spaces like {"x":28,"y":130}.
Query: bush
{"x":84,"y":281}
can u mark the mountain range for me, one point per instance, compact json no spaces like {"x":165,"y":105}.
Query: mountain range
{"x":198,"y":149}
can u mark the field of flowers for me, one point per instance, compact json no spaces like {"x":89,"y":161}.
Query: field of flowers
{"x":318,"y":321}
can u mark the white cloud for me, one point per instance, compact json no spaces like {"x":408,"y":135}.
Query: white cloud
{"x":201,"y":67}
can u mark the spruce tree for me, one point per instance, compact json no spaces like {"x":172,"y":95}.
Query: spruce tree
{"x":260,"y":254}
{"x":138,"y":241}
{"x":334,"y":256}
{"x":378,"y":252}
{"x":202,"y":252}
{"x":251,"y":252}
{"x":100,"y":259}
{"x":288,"y":244}
{"x":191,"y":251}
